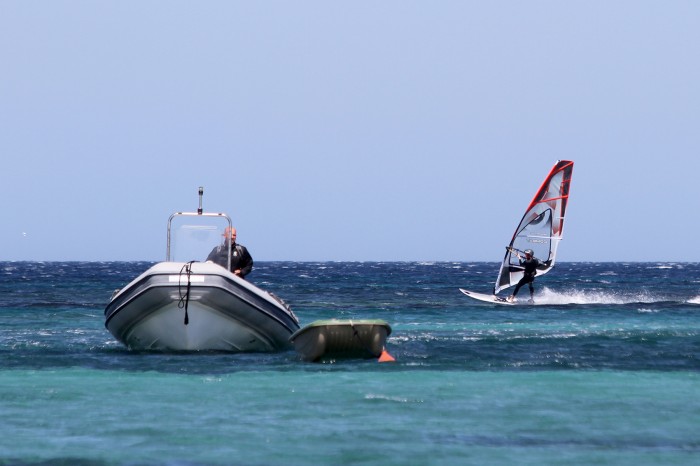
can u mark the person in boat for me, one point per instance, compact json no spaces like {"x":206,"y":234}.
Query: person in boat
{"x":529,"y":264}
{"x":241,"y":260}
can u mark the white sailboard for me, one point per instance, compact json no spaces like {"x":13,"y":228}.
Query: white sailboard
{"x":488,"y":298}
{"x":540,"y":229}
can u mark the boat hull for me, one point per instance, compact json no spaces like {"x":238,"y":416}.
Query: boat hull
{"x":205,"y":307}
{"x":341,"y":339}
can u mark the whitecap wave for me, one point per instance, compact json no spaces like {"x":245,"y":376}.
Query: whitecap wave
{"x":398,"y":399}
{"x":548,"y":296}
{"x":695,"y":300}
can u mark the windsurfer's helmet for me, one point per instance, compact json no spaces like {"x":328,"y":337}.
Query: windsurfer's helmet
{"x":529,"y":252}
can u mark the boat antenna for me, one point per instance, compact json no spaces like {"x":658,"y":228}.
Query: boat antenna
{"x":201,"y":193}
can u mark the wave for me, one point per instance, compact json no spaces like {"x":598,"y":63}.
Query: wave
{"x":548,"y":296}
{"x":695,"y":300}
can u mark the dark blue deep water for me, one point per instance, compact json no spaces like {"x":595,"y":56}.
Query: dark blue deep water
{"x":604,"y":369}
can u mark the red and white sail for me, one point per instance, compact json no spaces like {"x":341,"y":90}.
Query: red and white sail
{"x":541,"y":227}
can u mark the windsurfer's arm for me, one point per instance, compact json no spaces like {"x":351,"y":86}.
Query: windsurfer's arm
{"x":514,"y":251}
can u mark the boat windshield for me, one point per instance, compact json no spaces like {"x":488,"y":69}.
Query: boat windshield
{"x":191,"y":237}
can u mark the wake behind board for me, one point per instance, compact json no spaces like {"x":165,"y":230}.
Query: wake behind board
{"x":488,"y":298}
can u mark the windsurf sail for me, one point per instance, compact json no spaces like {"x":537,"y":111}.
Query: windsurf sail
{"x":541,"y":227}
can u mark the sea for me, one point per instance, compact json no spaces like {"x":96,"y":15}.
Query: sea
{"x":603,"y":369}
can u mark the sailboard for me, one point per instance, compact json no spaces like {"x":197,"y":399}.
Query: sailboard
{"x":487,"y":298}
{"x":540,"y":229}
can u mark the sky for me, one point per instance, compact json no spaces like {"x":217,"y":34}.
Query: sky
{"x":348,"y":130}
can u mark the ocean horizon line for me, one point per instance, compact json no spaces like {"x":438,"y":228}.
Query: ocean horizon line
{"x":336,"y":261}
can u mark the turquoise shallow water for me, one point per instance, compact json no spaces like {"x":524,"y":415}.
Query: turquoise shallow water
{"x":605,"y":370}
{"x":351,"y":417}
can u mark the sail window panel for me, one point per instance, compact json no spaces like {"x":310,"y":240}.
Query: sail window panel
{"x":536,"y":235}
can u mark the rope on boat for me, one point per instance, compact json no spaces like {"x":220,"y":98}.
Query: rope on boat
{"x":384,"y":356}
{"x":363,"y":345}
{"x":185,"y":298}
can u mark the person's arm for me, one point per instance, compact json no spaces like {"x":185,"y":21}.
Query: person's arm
{"x":246,"y":262}
{"x":215,"y":256}
{"x":517,"y":254}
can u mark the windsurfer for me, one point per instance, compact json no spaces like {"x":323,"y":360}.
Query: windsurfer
{"x":529,"y":264}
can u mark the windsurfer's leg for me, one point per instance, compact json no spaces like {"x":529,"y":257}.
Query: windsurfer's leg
{"x":515,"y":290}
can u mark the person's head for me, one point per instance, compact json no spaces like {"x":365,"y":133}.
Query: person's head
{"x":230,"y":234}
{"x":529,"y":253}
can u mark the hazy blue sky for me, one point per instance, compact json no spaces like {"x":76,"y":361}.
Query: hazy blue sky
{"x":363,"y":130}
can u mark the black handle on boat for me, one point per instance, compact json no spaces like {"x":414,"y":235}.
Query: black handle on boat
{"x":201,"y":193}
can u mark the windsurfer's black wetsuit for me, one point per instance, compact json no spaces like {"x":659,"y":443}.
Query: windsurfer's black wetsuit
{"x":240,"y":258}
{"x":530,"y":266}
